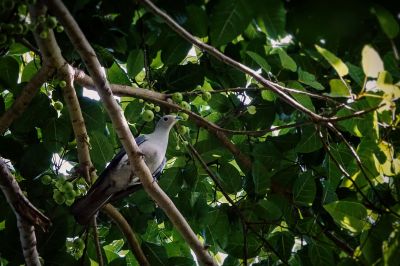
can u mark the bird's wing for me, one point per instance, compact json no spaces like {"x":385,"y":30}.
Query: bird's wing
{"x":158,"y":171}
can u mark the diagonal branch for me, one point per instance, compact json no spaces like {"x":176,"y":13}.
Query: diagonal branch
{"x":88,"y":55}
{"x":229,"y":61}
{"x":27,"y":214}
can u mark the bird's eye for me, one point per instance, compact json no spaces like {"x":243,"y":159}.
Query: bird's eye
{"x":165,"y":118}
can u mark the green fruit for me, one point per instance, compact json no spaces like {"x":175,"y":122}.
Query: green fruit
{"x":251,"y":109}
{"x":182,"y":130}
{"x":177,"y":97}
{"x":148,"y":115}
{"x":60,"y":29}
{"x":3,"y":38}
{"x":185,"y":105}
{"x":58,"y":105}
{"x":184,"y":116}
{"x":45,"y":179}
{"x":206,"y":96}
{"x":51,"y":22}
{"x":68,"y":187}
{"x":79,"y":244}
{"x":58,"y":197}
{"x":70,"y":195}
{"x":22,"y":9}
{"x":63,"y":84}
{"x":44,"y":34}
{"x":157,"y":109}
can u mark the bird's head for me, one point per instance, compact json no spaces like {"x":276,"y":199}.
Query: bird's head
{"x":167,"y":122}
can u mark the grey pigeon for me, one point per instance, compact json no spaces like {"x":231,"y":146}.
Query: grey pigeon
{"x":118,"y":180}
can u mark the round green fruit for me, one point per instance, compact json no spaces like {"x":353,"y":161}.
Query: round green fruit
{"x":41,"y":19}
{"x":184,"y":116}
{"x":185,"y":105}
{"x":251,"y":109}
{"x":44,"y":34}
{"x":148,"y":115}
{"x":45,"y":179}
{"x":68,"y":187}
{"x":177,"y":97}
{"x":157,"y":109}
{"x":79,"y":244}
{"x":182,"y":130}
{"x":58,"y":197}
{"x":206,"y":96}
{"x":58,"y":105}
{"x":51,"y":22}
{"x":18,"y":29}
{"x":60,"y":29}
{"x":63,"y":84}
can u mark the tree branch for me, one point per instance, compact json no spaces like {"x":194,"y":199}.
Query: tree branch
{"x":127,"y":231}
{"x":137,"y":163}
{"x":229,"y":61}
{"x":27,"y":214}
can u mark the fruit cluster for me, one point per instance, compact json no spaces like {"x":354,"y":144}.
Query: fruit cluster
{"x":75,"y":247}
{"x":64,"y":191}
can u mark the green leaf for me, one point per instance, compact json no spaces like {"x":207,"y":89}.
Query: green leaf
{"x":135,"y":62}
{"x":93,"y":115}
{"x":56,"y":133}
{"x":272,"y":17}
{"x":303,"y":99}
{"x":286,"y":61}
{"x":309,"y":141}
{"x":101,"y":150}
{"x":261,"y":178}
{"x":309,"y":79}
{"x":387,"y":22}
{"x":320,"y":254}
{"x":260,"y":61}
{"x":283,"y":243}
{"x":350,"y":215}
{"x":356,"y":73}
{"x":117,"y":75}
{"x":338,"y":88}
{"x":35,"y":160}
{"x":30,"y":70}
{"x":133,"y":110}
{"x":197,"y":20}
{"x":334,"y":61}
{"x":229,"y":18}
{"x":230,"y":177}
{"x":113,"y":250}
{"x":268,"y":211}
{"x":371,"y":62}
{"x":268,"y":95}
{"x":304,"y":189}
{"x":175,"y":50}
{"x":155,"y":254}
{"x":9,"y":69}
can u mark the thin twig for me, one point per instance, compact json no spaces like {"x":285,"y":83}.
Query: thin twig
{"x":96,"y":241}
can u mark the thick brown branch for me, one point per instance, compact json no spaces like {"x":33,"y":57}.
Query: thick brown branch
{"x":123,"y":225}
{"x":27,"y":214}
{"x":88,"y":55}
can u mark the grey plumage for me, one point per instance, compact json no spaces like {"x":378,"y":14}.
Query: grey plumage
{"x":118,"y":180}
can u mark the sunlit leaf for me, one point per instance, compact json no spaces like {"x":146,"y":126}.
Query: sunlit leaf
{"x":286,"y":61}
{"x":350,"y":215}
{"x":309,"y":79}
{"x":334,"y":61}
{"x":372,"y":63}
{"x":338,"y":88}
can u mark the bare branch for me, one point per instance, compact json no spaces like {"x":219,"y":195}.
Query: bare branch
{"x":123,"y":225}
{"x":88,"y":55}
{"x":97,"y":242}
{"x":27,"y":214}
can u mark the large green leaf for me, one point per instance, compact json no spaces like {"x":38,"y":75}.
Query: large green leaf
{"x":228,"y":19}
{"x":309,"y":79}
{"x":309,"y":141}
{"x":261,"y":178}
{"x":9,"y":69}
{"x":350,"y":215}
{"x":197,"y":20}
{"x":283,"y":243}
{"x":372,"y":63}
{"x":230,"y":177}
{"x":272,"y":17}
{"x":304,"y":189}
{"x":334,"y":61}
{"x":286,"y":61}
{"x":117,"y":75}
{"x":135,"y":62}
{"x":155,"y":254}
{"x":259,"y":60}
{"x":320,"y":254}
{"x":101,"y":150}
{"x":303,"y":99}
{"x":388,"y":22}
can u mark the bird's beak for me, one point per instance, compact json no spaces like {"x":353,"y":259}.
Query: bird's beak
{"x":178,"y":117}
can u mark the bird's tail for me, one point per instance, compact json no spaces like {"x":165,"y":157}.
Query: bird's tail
{"x":84,"y":208}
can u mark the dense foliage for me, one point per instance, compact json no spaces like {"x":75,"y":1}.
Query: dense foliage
{"x":314,"y":193}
